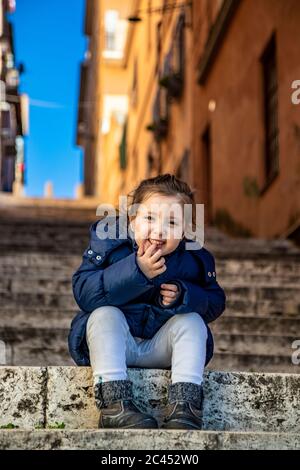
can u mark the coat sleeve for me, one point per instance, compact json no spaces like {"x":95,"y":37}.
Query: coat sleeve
{"x":117,"y":284}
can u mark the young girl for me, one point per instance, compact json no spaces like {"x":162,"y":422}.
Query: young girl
{"x":146,"y":301}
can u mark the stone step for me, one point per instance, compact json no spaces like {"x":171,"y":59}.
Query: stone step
{"x":263,"y":307}
{"x":40,"y":317}
{"x":63,"y":301}
{"x":288,"y":308}
{"x":36,"y":346}
{"x":39,"y":272}
{"x":50,"y":245}
{"x":231,"y":266}
{"x":44,"y":235}
{"x":47,"y":345}
{"x":15,"y":287}
{"x":42,"y":229}
{"x":61,"y":225}
{"x":54,"y":279}
{"x":62,"y":285}
{"x":50,"y":333}
{"x":245,"y":324}
{"x":61,"y":267}
{"x":48,"y":300}
{"x":257,"y":292}
{"x":253,"y":248}
{"x":232,"y":269}
{"x":50,"y":284}
{"x":262,"y":267}
{"x":36,"y":209}
{"x":59,"y":356}
{"x":226,"y":361}
{"x":145,"y":439}
{"x":241,"y":300}
{"x":52,"y":234}
{"x":38,"y":262}
{"x":261,"y":344}
{"x":61,"y":280}
{"x":234,"y":401}
{"x":258,"y":279}
{"x":70,"y":211}
{"x":45,"y":239}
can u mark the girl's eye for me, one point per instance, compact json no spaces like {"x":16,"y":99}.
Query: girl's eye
{"x":171,"y":221}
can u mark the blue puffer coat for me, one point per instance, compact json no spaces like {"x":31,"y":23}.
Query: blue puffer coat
{"x":109,"y":275}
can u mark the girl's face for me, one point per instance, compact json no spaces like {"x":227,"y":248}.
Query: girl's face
{"x":159,"y":221}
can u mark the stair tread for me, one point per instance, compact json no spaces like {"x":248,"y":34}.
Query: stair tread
{"x":146,"y":439}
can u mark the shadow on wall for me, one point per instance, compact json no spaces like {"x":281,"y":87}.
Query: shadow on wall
{"x":224,"y":221}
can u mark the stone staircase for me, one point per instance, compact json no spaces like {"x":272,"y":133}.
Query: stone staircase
{"x":53,"y":408}
{"x":262,"y":319}
{"x":252,"y":387}
{"x":41,"y":247}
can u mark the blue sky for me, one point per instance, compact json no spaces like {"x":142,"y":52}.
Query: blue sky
{"x":49,"y":40}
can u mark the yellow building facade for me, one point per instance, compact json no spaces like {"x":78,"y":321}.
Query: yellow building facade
{"x":175,"y":91}
{"x":144,"y":127}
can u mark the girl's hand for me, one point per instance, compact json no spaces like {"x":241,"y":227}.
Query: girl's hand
{"x":149,"y":259}
{"x":169,"y":293}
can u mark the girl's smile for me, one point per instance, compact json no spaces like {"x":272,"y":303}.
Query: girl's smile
{"x":158,"y":243}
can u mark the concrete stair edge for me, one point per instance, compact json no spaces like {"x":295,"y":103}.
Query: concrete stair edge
{"x":150,"y":439}
{"x":246,"y":401}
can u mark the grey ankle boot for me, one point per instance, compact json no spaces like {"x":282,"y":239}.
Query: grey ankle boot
{"x":185,"y":404}
{"x":114,"y":399}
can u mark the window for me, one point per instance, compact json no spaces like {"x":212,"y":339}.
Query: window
{"x":8,"y":121}
{"x":158,"y":45}
{"x":134,"y":88}
{"x":153,"y":160}
{"x":123,"y":147}
{"x":115,"y":35}
{"x":179,"y":48}
{"x":160,"y":114}
{"x":183,"y":169}
{"x":270,"y":84}
{"x":149,"y":26}
{"x":174,"y":68}
{"x":111,"y":22}
{"x":8,"y":173}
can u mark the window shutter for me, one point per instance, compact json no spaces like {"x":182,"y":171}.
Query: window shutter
{"x":123,"y":147}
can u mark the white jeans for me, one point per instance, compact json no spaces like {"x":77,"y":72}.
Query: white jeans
{"x":179,"y":343}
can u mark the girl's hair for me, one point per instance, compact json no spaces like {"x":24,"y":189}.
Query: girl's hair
{"x":168,"y":185}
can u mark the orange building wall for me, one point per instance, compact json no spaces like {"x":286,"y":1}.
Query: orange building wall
{"x":237,"y":124}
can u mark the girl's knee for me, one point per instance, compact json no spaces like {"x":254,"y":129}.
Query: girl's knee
{"x":106,"y":315}
{"x":190,"y":322}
